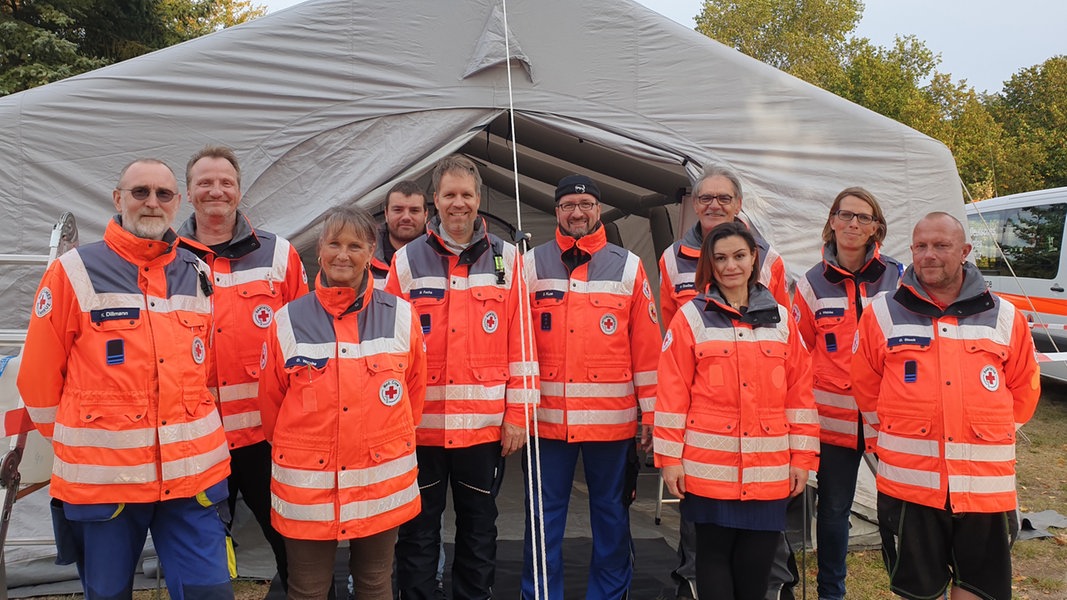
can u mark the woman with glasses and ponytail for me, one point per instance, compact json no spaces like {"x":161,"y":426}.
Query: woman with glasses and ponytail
{"x":827,"y":306}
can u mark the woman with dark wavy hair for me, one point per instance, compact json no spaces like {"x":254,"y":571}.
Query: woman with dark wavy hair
{"x":736,"y":430}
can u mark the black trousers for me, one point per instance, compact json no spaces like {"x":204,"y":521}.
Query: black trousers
{"x":250,"y":474}
{"x":734,"y":564}
{"x":475,"y":474}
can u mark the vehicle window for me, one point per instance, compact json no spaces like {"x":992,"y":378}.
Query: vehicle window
{"x":1030,"y":237}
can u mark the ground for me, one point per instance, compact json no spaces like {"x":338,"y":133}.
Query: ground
{"x":1039,"y":566}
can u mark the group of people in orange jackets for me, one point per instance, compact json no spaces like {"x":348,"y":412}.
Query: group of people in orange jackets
{"x":174,"y":371}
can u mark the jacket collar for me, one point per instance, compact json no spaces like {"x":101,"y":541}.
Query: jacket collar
{"x":588,"y":244}
{"x":762,"y":307}
{"x":480,"y":241}
{"x":243,"y":242}
{"x":138,"y":250}
{"x":691,"y":242}
{"x":872,"y":270}
{"x":343,"y":300}
{"x":974,"y":295}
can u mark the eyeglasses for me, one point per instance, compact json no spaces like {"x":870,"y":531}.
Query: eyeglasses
{"x":847,"y":215}
{"x":722,"y":199}
{"x":141,"y":193}
{"x":570,"y":206}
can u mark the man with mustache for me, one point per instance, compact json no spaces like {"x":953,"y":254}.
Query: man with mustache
{"x":119,"y":347}
{"x":598,"y":342}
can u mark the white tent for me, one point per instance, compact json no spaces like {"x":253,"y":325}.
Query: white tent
{"x":331,"y":100}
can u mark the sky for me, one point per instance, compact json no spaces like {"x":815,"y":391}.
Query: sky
{"x":982,"y":41}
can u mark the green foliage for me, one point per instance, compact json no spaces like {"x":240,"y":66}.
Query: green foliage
{"x":47,"y":40}
{"x":1004,"y":143}
{"x":1033,"y":109}
{"x":801,"y":37}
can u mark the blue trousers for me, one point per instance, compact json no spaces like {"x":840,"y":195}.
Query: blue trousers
{"x":838,"y":468}
{"x":611,"y":565}
{"x":106,"y":540}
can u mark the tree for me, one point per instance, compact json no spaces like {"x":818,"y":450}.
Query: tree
{"x":1033,"y":109}
{"x":47,"y":40}
{"x":33,"y":49}
{"x":804,"y":38}
{"x":811,"y":40}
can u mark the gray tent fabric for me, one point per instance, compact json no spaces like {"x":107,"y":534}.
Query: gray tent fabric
{"x":492,"y":48}
{"x":329,"y":101}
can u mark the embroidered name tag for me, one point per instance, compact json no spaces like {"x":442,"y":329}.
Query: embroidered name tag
{"x":829,"y":312}
{"x":553,"y":294}
{"x":114,"y":314}
{"x":305,"y":361}
{"x":908,"y":340}
{"x":436,"y":293}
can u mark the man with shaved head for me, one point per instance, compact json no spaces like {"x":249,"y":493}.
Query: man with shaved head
{"x":945,"y":371}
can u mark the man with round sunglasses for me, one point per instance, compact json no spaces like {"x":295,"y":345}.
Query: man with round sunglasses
{"x":254,"y":273}
{"x":119,"y":339}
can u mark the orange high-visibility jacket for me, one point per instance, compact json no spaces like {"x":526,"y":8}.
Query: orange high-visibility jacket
{"x":826,"y":306}
{"x":114,"y":372}
{"x":254,"y":276}
{"x":341,"y":391}
{"x":597,"y":339}
{"x":734,"y":404}
{"x":678,"y":267}
{"x":479,"y":374}
{"x":949,"y":387}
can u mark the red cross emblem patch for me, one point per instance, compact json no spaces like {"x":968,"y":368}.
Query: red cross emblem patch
{"x":43,"y":305}
{"x":990,"y":378}
{"x":263,"y":357}
{"x":199,"y":351}
{"x":391,"y":392}
{"x":262,"y":315}
{"x":490,"y":321}
{"x":608,"y":324}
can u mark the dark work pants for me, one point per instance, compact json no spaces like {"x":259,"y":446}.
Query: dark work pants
{"x":734,"y":564}
{"x":475,"y":473}
{"x":250,"y":474}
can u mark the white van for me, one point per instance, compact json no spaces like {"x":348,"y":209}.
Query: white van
{"x":1029,"y":230}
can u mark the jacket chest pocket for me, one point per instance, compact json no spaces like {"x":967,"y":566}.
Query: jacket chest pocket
{"x":257,"y":289}
{"x":387,"y":382}
{"x":120,"y":336}
{"x":715,"y":365}
{"x":906,"y":362}
{"x":307,"y":387}
{"x":610,"y":315}
{"x":488,"y":330}
{"x":831,"y":333}
{"x":773,"y":360}
{"x":196,"y":328}
{"x":430,"y":307}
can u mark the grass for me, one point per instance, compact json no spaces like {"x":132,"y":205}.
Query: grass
{"x":1039,"y":566}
